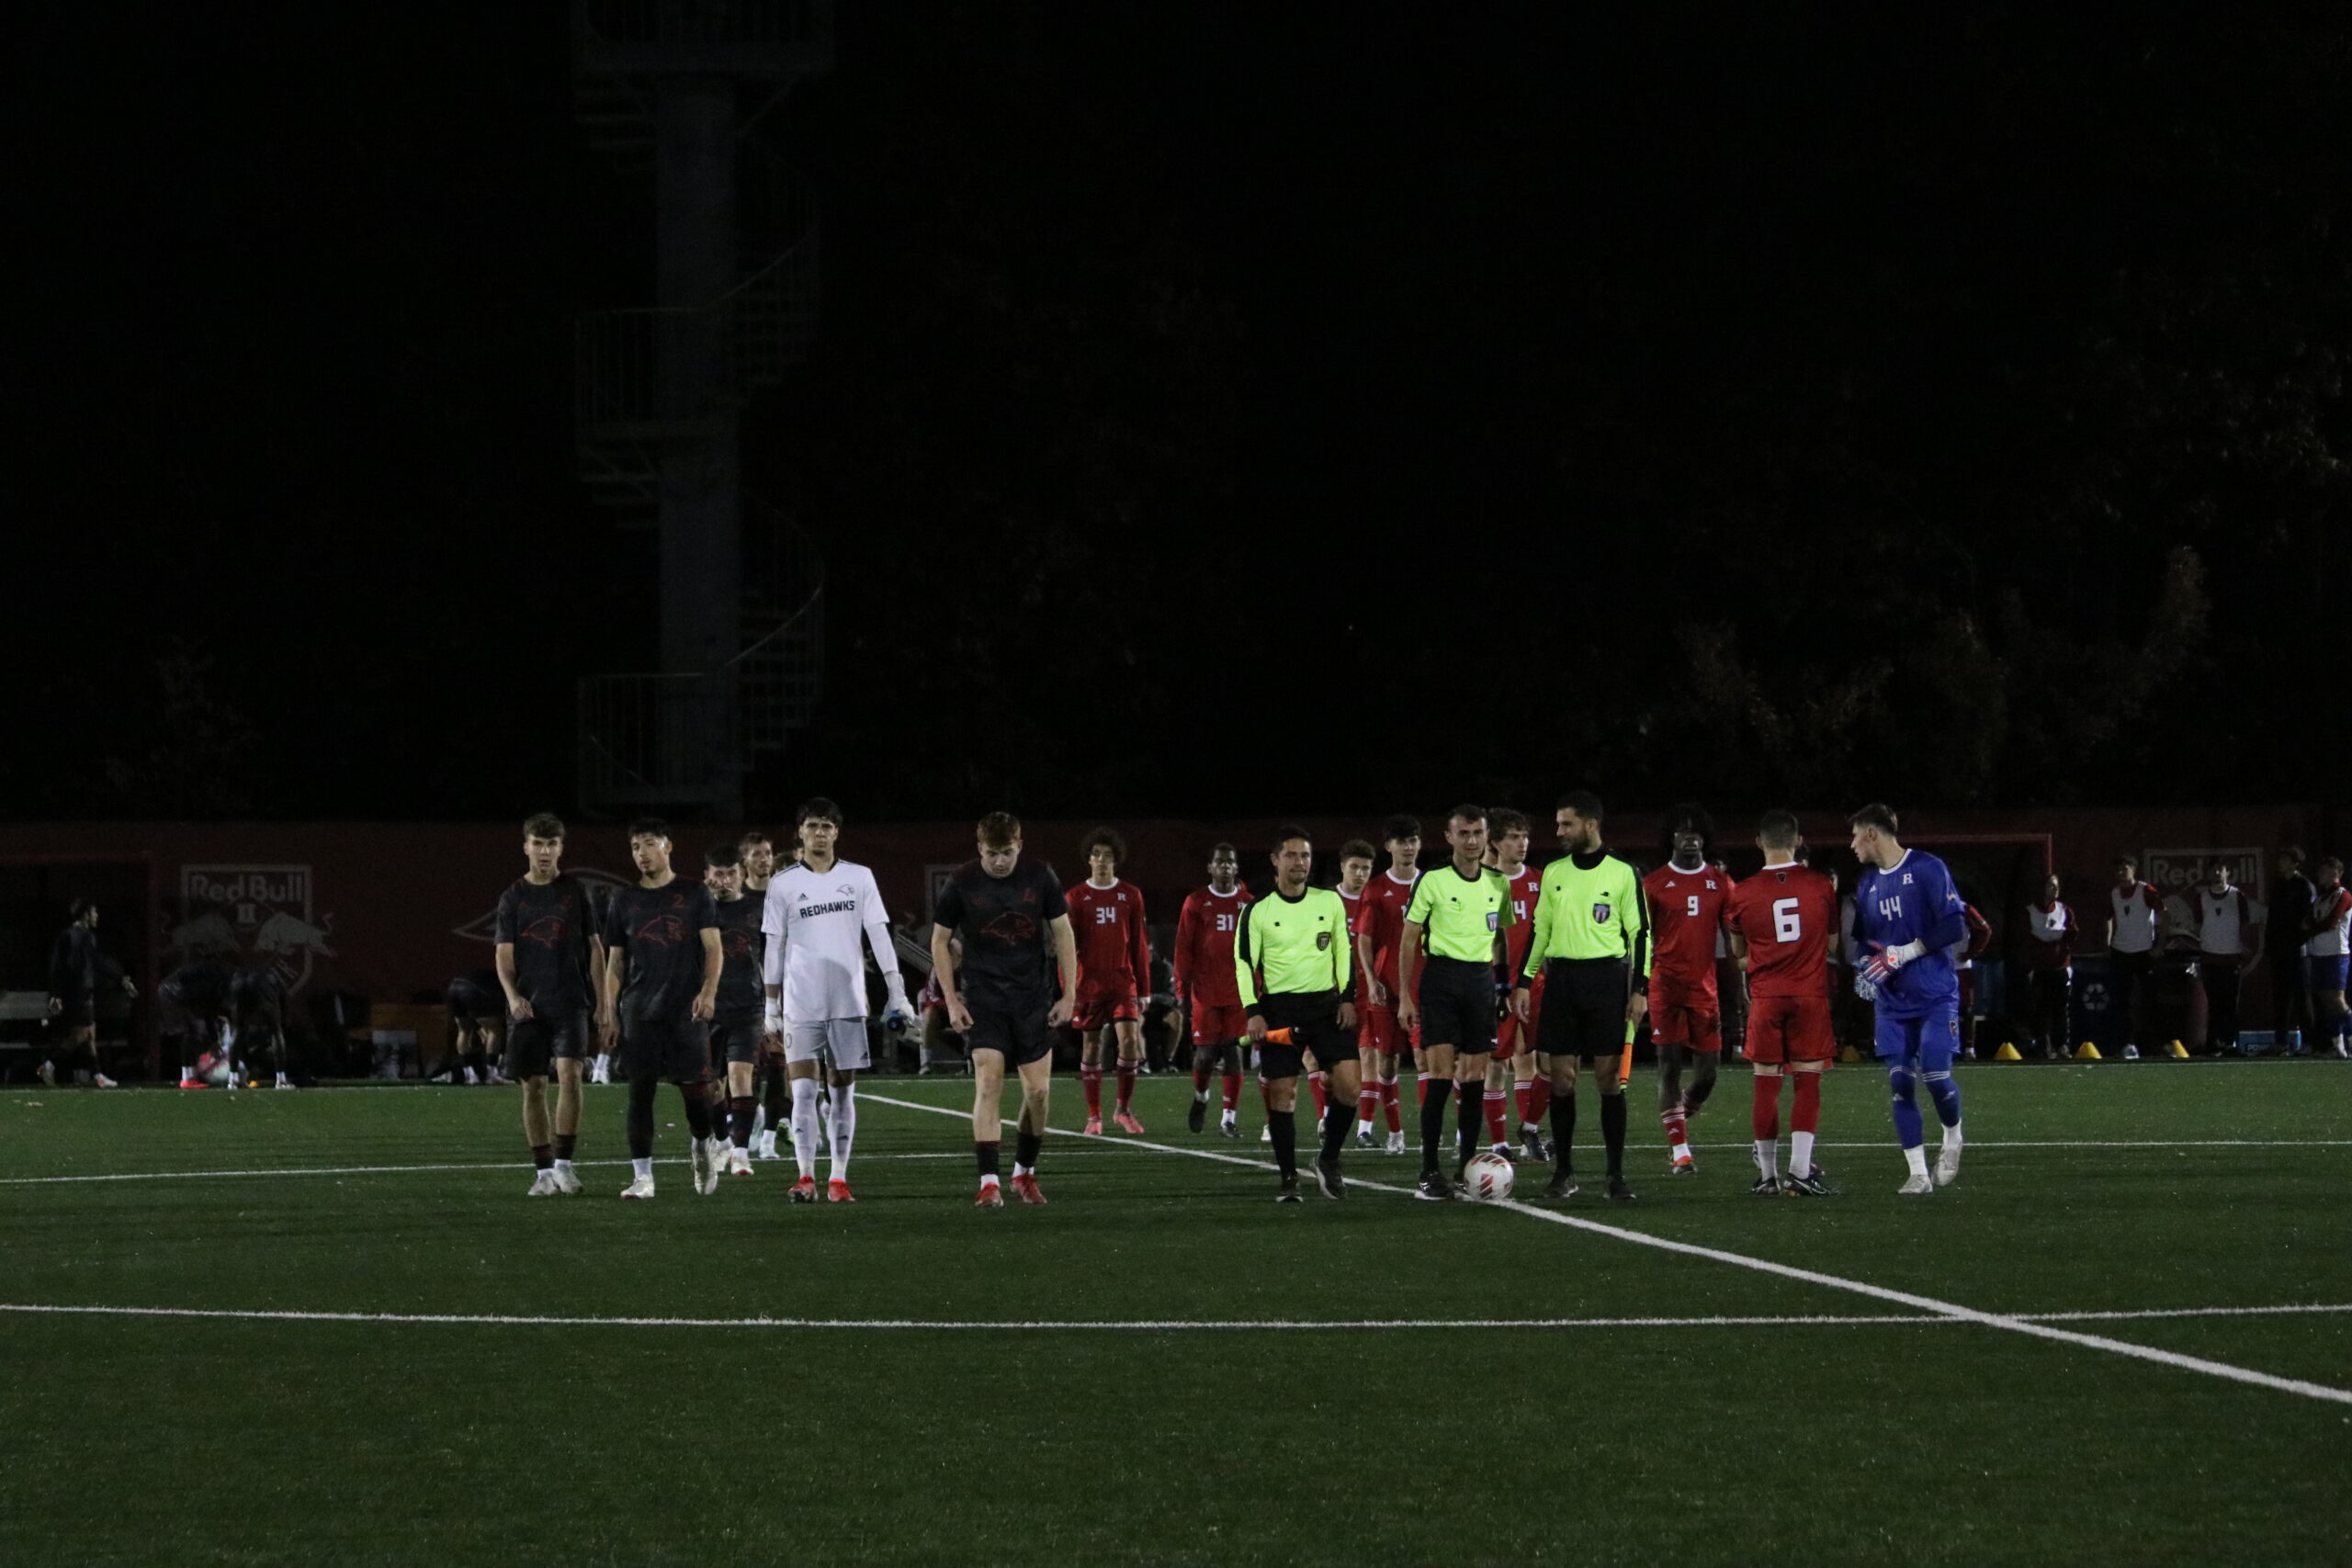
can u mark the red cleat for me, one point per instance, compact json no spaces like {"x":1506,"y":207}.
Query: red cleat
{"x":805,"y":1190}
{"x":1025,"y":1189}
{"x":1093,"y":1128}
{"x":1127,"y":1122}
{"x":992,"y":1196}
{"x":837,"y":1192}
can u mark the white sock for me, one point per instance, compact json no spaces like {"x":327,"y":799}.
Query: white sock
{"x":1917,"y":1158}
{"x":844,"y":1129}
{"x":644,"y":1168}
{"x":1800,"y":1154}
{"x":564,"y":1165}
{"x":1767,"y":1156}
{"x":1200,"y":1096}
{"x":991,"y":1180}
{"x":1019,"y":1169}
{"x":1231,"y":1118}
{"x":804,"y":1125}
{"x":1952,"y":1136}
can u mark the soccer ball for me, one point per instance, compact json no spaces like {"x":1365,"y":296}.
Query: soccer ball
{"x":1488,"y":1179}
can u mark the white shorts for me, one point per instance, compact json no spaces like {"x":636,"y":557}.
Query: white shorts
{"x":842,"y":1039}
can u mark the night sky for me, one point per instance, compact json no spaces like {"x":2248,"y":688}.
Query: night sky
{"x":1221,"y":409}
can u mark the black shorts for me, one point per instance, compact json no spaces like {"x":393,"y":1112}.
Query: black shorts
{"x":1457,"y":1005}
{"x":678,"y":1051}
{"x":476,"y":1004}
{"x":736,"y":1040}
{"x":1019,"y":1036}
{"x":78,"y":1009}
{"x":534,"y":1045}
{"x":1584,"y":1008}
{"x":1313,"y":1019}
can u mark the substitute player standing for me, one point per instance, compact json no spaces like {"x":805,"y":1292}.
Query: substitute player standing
{"x":1205,"y":985}
{"x":1456,"y":917}
{"x":550,"y":963}
{"x":1591,"y":948}
{"x":1292,"y":968}
{"x":1113,"y":973}
{"x":1530,"y":1070}
{"x":1357,"y":858}
{"x":738,"y":1031}
{"x":769,"y":1083}
{"x":816,"y":913}
{"x":1380,"y":926}
{"x":1781,"y":919}
{"x":1907,"y":919}
{"x":1687,"y":898}
{"x":1002,"y":913}
{"x":660,"y":985}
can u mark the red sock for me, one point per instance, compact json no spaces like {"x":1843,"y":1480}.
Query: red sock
{"x":1764,"y":1119}
{"x":1497,"y":1130}
{"x":1388,"y":1097}
{"x":1367,"y":1106}
{"x":1807,"y":1117}
{"x":1199,"y":1078}
{"x":1543,"y":1101}
{"x":1127,"y":1082}
{"x":1315,"y":1087}
{"x":1232,"y":1091}
{"x":1524,"y":1094}
{"x":1677,"y":1135}
{"x":1090,"y":1080}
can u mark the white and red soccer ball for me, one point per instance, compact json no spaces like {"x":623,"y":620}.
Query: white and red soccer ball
{"x":1488,"y":1178}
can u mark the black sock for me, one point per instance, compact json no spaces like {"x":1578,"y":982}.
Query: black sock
{"x":986,"y":1154}
{"x":1470,"y":1120}
{"x":640,"y":1115}
{"x":1338,"y":1119}
{"x":1284,"y":1124}
{"x":542,"y":1156}
{"x":740,"y":1104}
{"x":1026,"y":1148}
{"x":1612,"y":1131}
{"x":779,"y":1098}
{"x":1433,"y":1120}
{"x":1564,"y":1128}
{"x":697,"y":1109}
{"x":564,"y":1144}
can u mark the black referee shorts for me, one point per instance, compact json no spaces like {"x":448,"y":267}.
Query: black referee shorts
{"x":1313,"y":1019}
{"x":1458,"y":1004}
{"x":1584,"y":1008}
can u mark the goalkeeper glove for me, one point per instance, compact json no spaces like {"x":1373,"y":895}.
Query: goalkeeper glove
{"x":896,"y":1014}
{"x":1862,"y":987}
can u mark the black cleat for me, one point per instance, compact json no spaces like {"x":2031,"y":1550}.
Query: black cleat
{"x":1683,"y":1166}
{"x":1229,"y":1129}
{"x":1326,"y":1177}
{"x":1814,"y":1184}
{"x":1766,"y":1187}
{"x":1197,"y":1119}
{"x":1618,"y":1192}
{"x":1289,"y":1193}
{"x":1532,"y":1142}
{"x":1561,"y":1185}
{"x":1432,"y":1187}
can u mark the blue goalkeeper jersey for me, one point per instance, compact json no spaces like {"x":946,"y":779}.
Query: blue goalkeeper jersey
{"x":1915,"y":901}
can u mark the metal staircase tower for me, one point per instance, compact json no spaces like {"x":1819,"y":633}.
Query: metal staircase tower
{"x":681,"y":89}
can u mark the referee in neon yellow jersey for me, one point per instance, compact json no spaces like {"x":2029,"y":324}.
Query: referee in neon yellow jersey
{"x":1450,"y":966}
{"x":1591,"y":944}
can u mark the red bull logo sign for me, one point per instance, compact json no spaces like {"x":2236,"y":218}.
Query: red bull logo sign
{"x":252,"y":914}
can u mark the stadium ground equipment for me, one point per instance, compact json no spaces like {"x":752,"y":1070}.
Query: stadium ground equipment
{"x":837,"y":1192}
{"x":1812,"y":1184}
{"x":1025,"y":1187}
{"x":640,"y":1187}
{"x":2180,"y":1053}
{"x":2087,"y":1052}
{"x":543,"y":1185}
{"x":1766,"y":1187}
{"x":1915,"y":1185}
{"x":1326,"y":1177}
{"x":2131,"y":1053}
{"x":2008,"y":1052}
{"x":805,"y":1190}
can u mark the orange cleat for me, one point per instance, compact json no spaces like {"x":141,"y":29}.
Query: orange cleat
{"x":1025,"y":1187}
{"x":837,"y":1192}
{"x":992,"y":1196}
{"x":1127,"y":1122}
{"x":805,"y":1190}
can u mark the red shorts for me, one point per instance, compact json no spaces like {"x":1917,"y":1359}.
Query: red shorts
{"x":1100,"y":1006}
{"x":1684,"y":1014}
{"x":1214,"y":1024}
{"x":1509,"y":1039}
{"x":1376,"y":1029}
{"x":1790,"y":1029}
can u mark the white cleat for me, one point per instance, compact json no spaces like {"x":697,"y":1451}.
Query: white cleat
{"x":1396,"y":1143}
{"x":99,"y":1080}
{"x":543,"y":1186}
{"x":566,"y":1183}
{"x":1948,"y":1163}
{"x":1915,"y":1185}
{"x":739,"y":1162}
{"x":767,"y":1146}
{"x":640,"y":1188}
{"x":704,"y":1169}
{"x":1266,"y":1134}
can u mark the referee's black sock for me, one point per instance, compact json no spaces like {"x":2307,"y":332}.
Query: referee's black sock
{"x":1337,"y":1120}
{"x":1471,"y":1119}
{"x":1284,"y":1124}
{"x":1564,"y":1128}
{"x":1433,"y":1120}
{"x":640,"y":1115}
{"x":1612,"y":1131}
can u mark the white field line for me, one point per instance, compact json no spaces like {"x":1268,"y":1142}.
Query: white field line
{"x":1137,"y":1326}
{"x":1811,"y":1277}
{"x":510,"y":1166}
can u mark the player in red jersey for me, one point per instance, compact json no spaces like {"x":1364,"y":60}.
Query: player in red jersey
{"x":1980,"y":937}
{"x":1781,"y":921}
{"x":1687,"y":898}
{"x":1113,"y":972}
{"x":1357,"y":857}
{"x":1513,"y":1072}
{"x":1380,"y":928}
{"x":1205,"y":989}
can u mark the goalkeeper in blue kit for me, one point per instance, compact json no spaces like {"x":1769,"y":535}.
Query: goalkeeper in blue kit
{"x":1908,"y":918}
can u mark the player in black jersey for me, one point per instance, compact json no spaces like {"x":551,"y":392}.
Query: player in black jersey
{"x":550,"y":964}
{"x":771,"y":1084}
{"x":738,"y":1026}
{"x":661,"y":987}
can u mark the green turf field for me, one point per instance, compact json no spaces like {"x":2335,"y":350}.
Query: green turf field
{"x":1262,"y":1419}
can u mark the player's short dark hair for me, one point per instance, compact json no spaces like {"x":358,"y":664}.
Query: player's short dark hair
{"x":755,"y":836}
{"x":2129,"y":862}
{"x":649,"y":828}
{"x":2329,"y":863}
{"x":1502,"y":820}
{"x":1583,"y":802}
{"x":1222,"y":848}
{"x":999,"y":830}
{"x":1878,"y":814}
{"x":1400,"y":826}
{"x":2292,"y":852}
{"x":1108,"y":838}
{"x":1466,"y":813}
{"x":1690,"y":816}
{"x":723,"y":855}
{"x":1778,"y":827}
{"x":543,"y":825}
{"x":78,"y":908}
{"x":817,"y":808}
{"x":1289,"y":830}
{"x":1357,"y":848}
